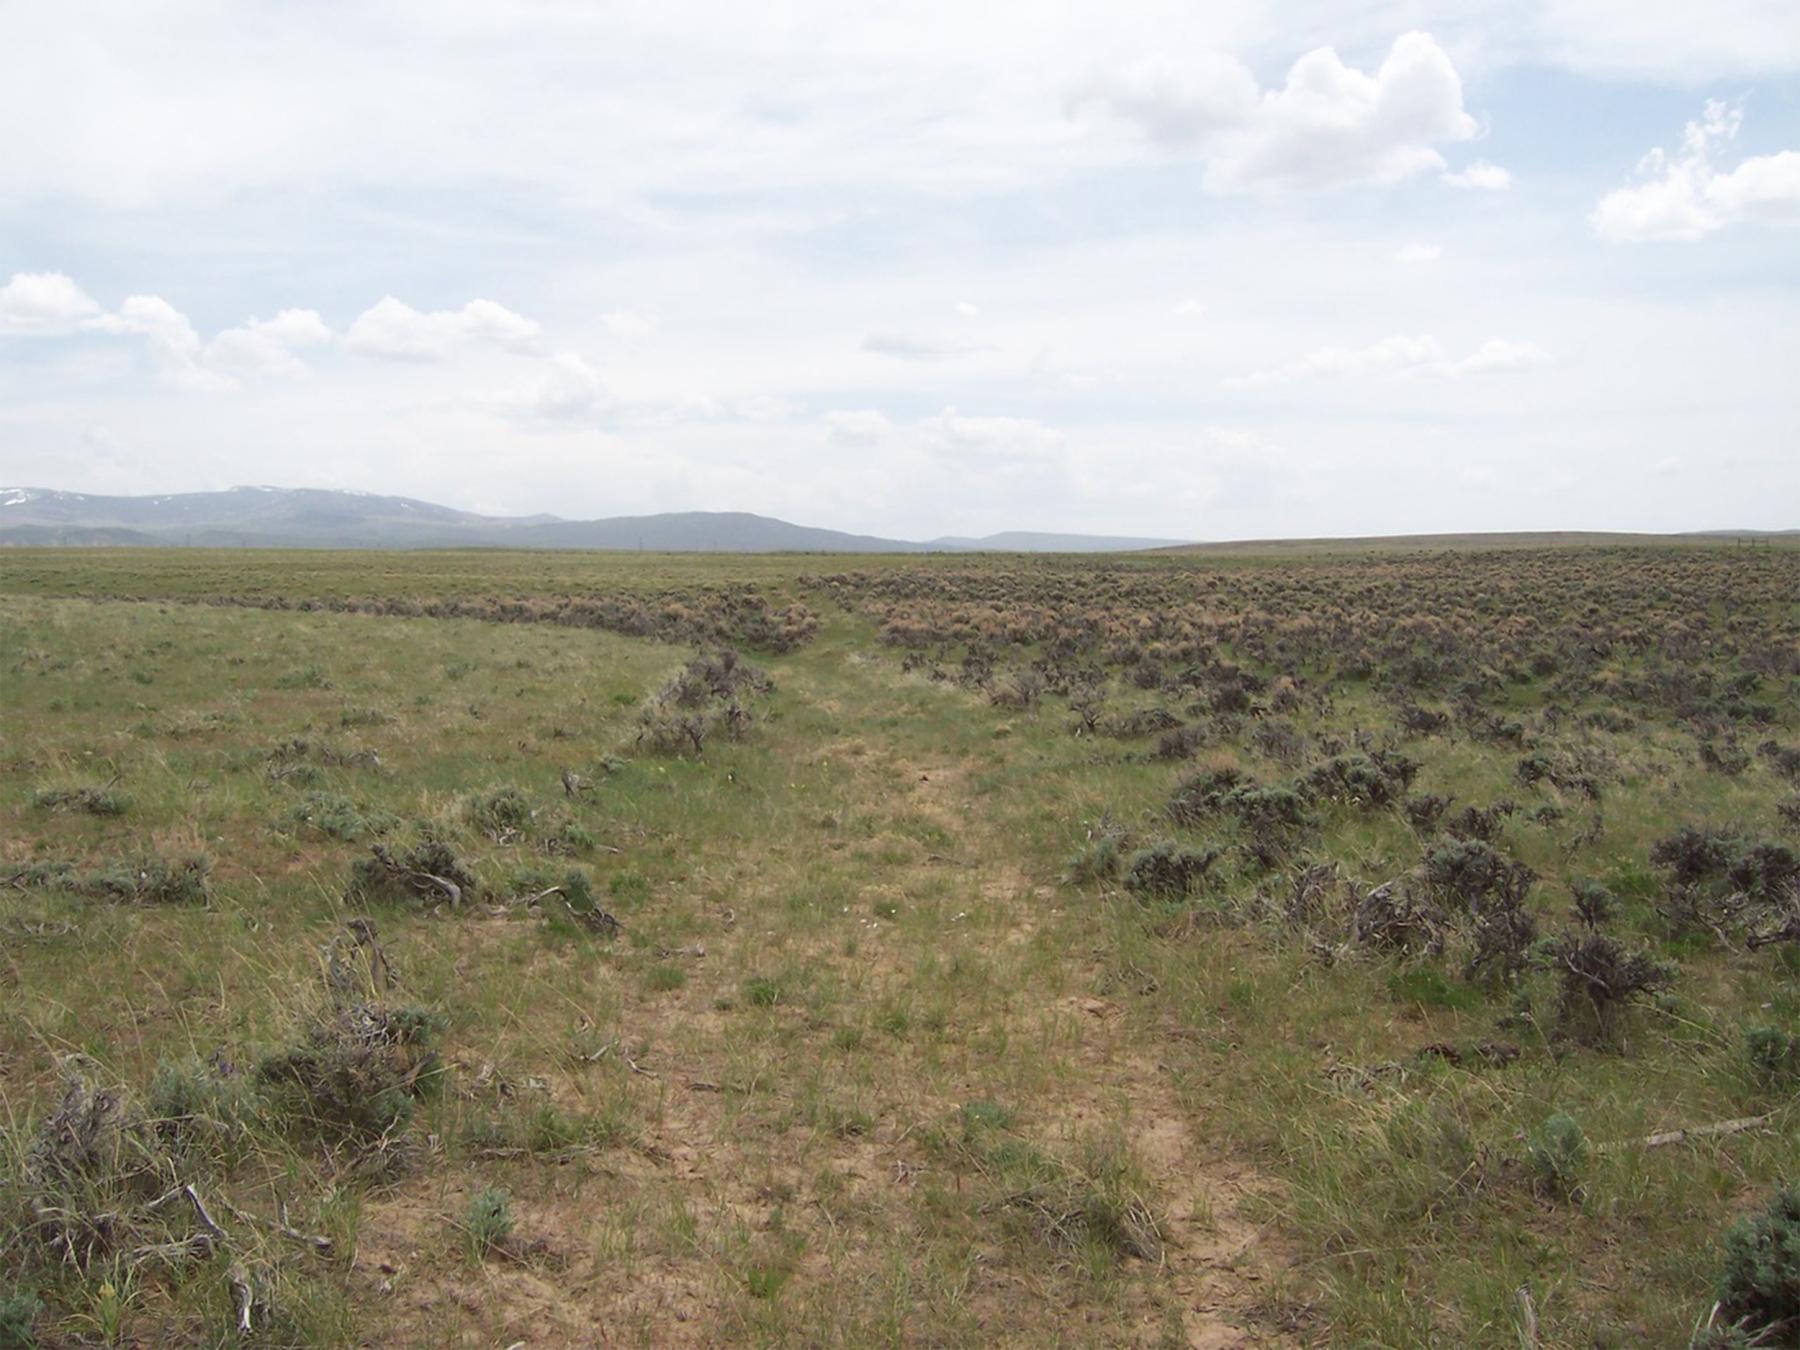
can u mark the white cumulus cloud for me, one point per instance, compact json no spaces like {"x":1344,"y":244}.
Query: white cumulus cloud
{"x":1328,"y":125}
{"x":1686,"y":196}
{"x":172,"y":342}
{"x":49,"y":304}
{"x":43,"y":304}
{"x":266,"y":347}
{"x":391,"y":328}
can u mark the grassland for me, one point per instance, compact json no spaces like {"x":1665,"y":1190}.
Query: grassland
{"x":1148,"y":951}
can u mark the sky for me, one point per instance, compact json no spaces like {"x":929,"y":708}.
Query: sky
{"x":1227,"y":270}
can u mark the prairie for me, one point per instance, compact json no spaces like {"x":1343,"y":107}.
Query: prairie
{"x":1265,"y":948}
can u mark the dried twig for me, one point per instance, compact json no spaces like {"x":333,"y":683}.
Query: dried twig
{"x":317,"y":1241}
{"x":206,"y":1220}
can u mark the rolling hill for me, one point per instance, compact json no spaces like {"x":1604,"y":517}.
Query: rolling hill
{"x":274,"y":517}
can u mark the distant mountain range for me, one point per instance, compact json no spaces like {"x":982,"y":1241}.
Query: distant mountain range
{"x":271,"y":517}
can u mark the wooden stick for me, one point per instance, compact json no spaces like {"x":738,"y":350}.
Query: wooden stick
{"x":1712,"y":1131}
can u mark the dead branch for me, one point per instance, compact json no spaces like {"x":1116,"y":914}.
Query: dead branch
{"x":241,"y":1291}
{"x":317,"y":1241}
{"x":1713,"y":1131}
{"x":1788,"y":932}
{"x":206,"y":1220}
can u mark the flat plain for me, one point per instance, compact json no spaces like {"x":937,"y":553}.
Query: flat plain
{"x":1390,"y":946}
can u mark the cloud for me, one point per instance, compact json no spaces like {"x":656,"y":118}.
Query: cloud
{"x":915,"y":347}
{"x":1418,"y":253}
{"x":1480,"y":176}
{"x":43,"y":304}
{"x":172,"y":342}
{"x":1399,"y":357}
{"x":265,"y":348}
{"x":185,"y":101}
{"x":393,"y":329}
{"x":569,"y":390}
{"x":1685,"y":196}
{"x":49,"y":304}
{"x":1329,"y":125}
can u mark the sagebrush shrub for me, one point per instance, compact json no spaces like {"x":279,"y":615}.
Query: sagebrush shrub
{"x":357,"y":1074}
{"x":1482,"y":823}
{"x":1167,"y":871}
{"x":417,"y":873}
{"x":339,"y":817}
{"x":488,"y":1221}
{"x":1469,"y":873}
{"x":199,"y":1108}
{"x":1099,"y":859}
{"x":1379,"y":778}
{"x":1759,"y":1285}
{"x":105,"y":800}
{"x":1765,"y":872}
{"x":1426,"y":810}
{"x":1595,"y":906}
{"x":1599,"y":977}
{"x":155,"y":881}
{"x":1558,"y":1153}
{"x":1203,"y":795}
{"x":18,"y":1313}
{"x":500,"y":812}
{"x":1692,"y":855}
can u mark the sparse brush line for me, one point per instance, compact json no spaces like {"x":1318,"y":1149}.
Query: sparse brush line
{"x":706,"y":614}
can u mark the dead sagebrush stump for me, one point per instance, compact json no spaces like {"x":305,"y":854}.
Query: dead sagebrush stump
{"x":430,"y":871}
{"x":92,"y":1168}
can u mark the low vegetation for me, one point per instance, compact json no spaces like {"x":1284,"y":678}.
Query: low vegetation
{"x":1373,"y":948}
